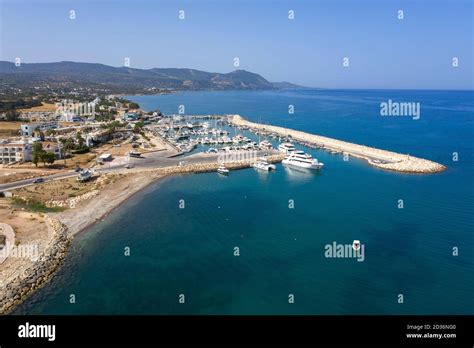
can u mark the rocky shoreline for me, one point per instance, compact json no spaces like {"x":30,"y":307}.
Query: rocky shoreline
{"x":376,"y":157}
{"x":41,"y":271}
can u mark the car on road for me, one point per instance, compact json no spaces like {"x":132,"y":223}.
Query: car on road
{"x":78,"y":169}
{"x":129,"y":166}
{"x":38,"y":180}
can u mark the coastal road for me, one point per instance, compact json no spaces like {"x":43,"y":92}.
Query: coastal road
{"x":147,"y":161}
{"x":144,"y":162}
{"x":28,"y":182}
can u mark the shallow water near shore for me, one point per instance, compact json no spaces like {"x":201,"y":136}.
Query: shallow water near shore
{"x":190,"y":251}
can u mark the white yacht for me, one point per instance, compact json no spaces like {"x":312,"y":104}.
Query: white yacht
{"x":223,"y":170}
{"x":286,"y":148}
{"x":302,"y":160}
{"x":265,"y":145}
{"x":262,"y":164}
{"x":226,"y":139}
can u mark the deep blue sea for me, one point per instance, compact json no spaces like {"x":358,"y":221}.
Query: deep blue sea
{"x":190,"y":251}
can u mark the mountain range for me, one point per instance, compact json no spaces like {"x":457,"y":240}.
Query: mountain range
{"x":126,"y":79}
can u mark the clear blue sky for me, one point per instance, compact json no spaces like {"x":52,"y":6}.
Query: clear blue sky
{"x":384,"y":52}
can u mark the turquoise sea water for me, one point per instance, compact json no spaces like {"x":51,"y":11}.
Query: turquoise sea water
{"x":190,"y":251}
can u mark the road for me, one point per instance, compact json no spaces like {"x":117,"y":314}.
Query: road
{"x":151,"y":160}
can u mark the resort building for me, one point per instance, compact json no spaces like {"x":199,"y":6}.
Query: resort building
{"x":70,"y":117}
{"x":15,"y":151}
{"x":28,"y":129}
{"x":97,"y":137}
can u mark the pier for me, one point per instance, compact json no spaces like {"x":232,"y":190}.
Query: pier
{"x":376,"y":157}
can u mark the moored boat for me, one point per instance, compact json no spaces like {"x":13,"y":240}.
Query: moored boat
{"x":223,"y":170}
{"x":262,"y":164}
{"x":286,"y":148}
{"x":302,"y":160}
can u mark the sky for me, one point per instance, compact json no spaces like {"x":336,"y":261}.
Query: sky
{"x":415,"y":52}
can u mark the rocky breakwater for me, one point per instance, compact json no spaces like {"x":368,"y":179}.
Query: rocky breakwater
{"x":71,"y":202}
{"x":206,"y":167}
{"x":377,"y":157}
{"x":40,"y":271}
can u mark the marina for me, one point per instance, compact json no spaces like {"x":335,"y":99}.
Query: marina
{"x":232,"y":133}
{"x":379,"y":158}
{"x":229,"y":133}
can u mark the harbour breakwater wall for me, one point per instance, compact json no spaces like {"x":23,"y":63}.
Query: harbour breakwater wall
{"x":204,"y":167}
{"x":376,"y":157}
{"x":40,"y":271}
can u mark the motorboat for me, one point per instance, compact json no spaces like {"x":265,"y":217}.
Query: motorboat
{"x":286,"y":148}
{"x":262,"y":164}
{"x":223,"y":170}
{"x":302,"y":160}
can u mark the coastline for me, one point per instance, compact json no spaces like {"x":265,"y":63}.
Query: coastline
{"x":376,"y":157}
{"x":67,"y":224}
{"x":40,"y":272}
{"x":87,"y":212}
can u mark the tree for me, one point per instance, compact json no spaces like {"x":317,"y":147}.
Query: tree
{"x":50,"y":132}
{"x":12,"y":115}
{"x":37,"y":152}
{"x":70,"y":145}
{"x":132,"y":105}
{"x":138,"y":128}
{"x":63,"y":150}
{"x":80,"y":140}
{"x":42,"y":157}
{"x":49,"y":157}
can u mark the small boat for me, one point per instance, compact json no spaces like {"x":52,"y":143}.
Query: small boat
{"x":223,"y":170}
{"x":356,"y":245}
{"x":262,"y":164}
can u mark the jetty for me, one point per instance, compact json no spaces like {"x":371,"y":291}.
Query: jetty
{"x":376,"y":157}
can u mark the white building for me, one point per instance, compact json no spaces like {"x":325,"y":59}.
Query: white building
{"x":28,"y":129}
{"x":106,"y":157}
{"x":15,"y":151}
{"x":22,"y":150}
